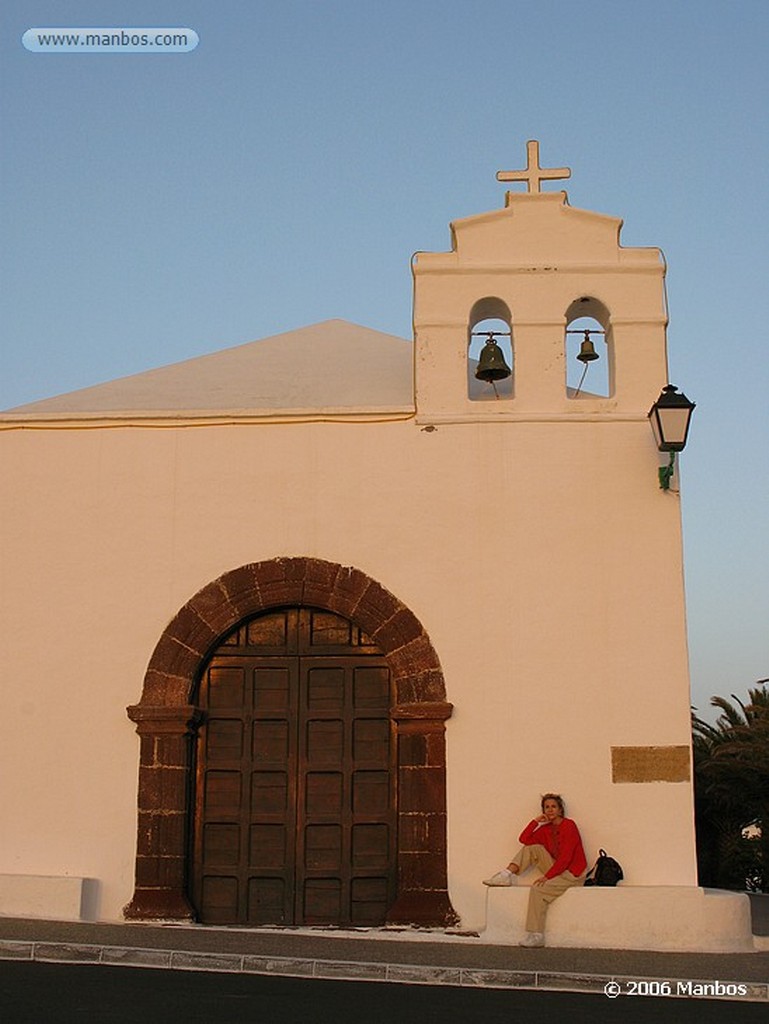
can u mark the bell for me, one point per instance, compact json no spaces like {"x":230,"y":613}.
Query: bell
{"x":587,"y":353}
{"x":492,"y":365}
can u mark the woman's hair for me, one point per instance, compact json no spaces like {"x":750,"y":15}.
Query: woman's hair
{"x":558,"y":799}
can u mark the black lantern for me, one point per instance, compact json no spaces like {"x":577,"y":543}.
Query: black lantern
{"x":670,"y":416}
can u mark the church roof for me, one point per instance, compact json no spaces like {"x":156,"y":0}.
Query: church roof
{"x":333,"y":367}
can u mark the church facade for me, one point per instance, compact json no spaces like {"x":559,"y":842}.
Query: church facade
{"x":299,"y":632}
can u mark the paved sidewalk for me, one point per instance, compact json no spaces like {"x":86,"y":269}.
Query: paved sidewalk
{"x":413,"y":956}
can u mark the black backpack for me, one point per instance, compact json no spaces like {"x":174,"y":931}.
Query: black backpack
{"x":605,"y":871}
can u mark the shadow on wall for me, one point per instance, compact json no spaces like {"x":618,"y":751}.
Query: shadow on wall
{"x":90,"y":899}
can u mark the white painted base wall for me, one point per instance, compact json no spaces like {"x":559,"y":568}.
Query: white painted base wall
{"x":666,"y":918}
{"x":48,"y":897}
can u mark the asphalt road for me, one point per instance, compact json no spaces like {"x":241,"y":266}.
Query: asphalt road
{"x":35,"y":993}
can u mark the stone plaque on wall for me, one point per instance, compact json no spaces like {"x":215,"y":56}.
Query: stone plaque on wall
{"x":650,"y":764}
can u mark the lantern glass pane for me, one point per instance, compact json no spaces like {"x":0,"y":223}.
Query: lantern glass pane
{"x":653,"y":419}
{"x":673,"y":423}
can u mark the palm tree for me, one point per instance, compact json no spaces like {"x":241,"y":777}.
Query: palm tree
{"x":731,"y":783}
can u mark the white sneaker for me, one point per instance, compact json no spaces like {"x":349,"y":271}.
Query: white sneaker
{"x":503,"y":877}
{"x":533,"y":940}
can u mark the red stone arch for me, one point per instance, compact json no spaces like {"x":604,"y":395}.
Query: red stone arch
{"x":166,"y":720}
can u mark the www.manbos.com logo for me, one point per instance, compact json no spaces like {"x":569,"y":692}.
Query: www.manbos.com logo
{"x":110,"y":40}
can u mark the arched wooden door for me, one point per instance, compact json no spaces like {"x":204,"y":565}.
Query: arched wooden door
{"x":295,"y":806}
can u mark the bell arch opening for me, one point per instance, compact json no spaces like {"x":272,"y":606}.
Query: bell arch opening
{"x":589,"y":350}
{"x":490,"y":351}
{"x":168,"y":718}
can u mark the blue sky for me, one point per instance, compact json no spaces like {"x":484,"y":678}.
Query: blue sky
{"x":152,"y":204}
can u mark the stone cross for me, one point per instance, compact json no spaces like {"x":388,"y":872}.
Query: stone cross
{"x":534,"y":174}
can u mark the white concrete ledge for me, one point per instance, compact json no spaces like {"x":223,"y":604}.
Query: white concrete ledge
{"x":56,"y":898}
{"x":682,"y":918}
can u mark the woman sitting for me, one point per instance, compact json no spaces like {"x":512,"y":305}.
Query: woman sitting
{"x":551,"y":843}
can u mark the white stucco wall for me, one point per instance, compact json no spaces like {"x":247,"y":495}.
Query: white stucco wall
{"x":541,"y":558}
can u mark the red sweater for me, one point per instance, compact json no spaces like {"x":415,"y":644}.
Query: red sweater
{"x":562,"y":842}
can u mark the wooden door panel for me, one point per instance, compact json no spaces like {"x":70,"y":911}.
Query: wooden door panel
{"x":371,"y":688}
{"x":277,"y":631}
{"x":270,"y":741}
{"x":221,"y":844}
{"x":324,"y":793}
{"x":220,"y":898}
{"x":272,"y":688}
{"x":325,"y":687}
{"x":371,"y":742}
{"x":346,"y":705}
{"x":325,"y":742}
{"x":268,"y":847}
{"x":323,"y":848}
{"x":246,"y":809}
{"x":224,"y":740}
{"x":226,"y":686}
{"x":371,"y":794}
{"x":371,"y":847}
{"x":270,"y":795}
{"x":321,"y":901}
{"x":267,"y":902}
{"x":223,"y":795}
{"x":369,"y":900}
{"x":296,"y":807}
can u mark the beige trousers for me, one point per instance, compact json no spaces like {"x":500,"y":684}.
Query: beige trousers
{"x":541,"y":896}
